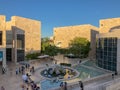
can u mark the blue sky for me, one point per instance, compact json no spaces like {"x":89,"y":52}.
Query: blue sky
{"x":58,"y":13}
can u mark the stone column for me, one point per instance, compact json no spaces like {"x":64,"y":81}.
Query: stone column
{"x":14,"y":51}
{"x":4,"y":59}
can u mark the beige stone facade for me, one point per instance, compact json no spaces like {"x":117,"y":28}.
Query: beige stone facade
{"x":63,"y":35}
{"x":19,"y":35}
{"x":32,"y":30}
{"x":3,"y":46}
{"x":111,"y":28}
{"x":107,"y":24}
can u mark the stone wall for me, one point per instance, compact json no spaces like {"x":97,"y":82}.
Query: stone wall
{"x":32,"y":30}
{"x":107,"y":24}
{"x":2,"y":28}
{"x":3,"y":46}
{"x":63,"y":35}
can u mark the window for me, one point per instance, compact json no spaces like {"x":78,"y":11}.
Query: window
{"x":20,"y":41}
{"x":107,"y":53}
{"x":0,"y":37}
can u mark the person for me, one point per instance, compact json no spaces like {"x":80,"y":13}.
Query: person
{"x":33,"y":70}
{"x":61,"y":84}
{"x":25,"y":78}
{"x":23,"y":87}
{"x":3,"y":70}
{"x":28,"y":75}
{"x":112,"y":76}
{"x":33,"y":85}
{"x":17,"y":71}
{"x":79,"y":61}
{"x":22,"y":69}
{"x":81,"y":85}
{"x":2,"y":88}
{"x":65,"y":86}
{"x":38,"y":88}
{"x":26,"y":66}
{"x":30,"y":70}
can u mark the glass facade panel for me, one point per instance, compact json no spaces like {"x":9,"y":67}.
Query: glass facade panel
{"x":9,"y":38}
{"x":20,"y":55}
{"x":106,"y":53}
{"x":20,"y":41}
{"x":20,"y":47}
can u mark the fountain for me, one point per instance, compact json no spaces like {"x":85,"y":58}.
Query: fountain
{"x":59,"y":72}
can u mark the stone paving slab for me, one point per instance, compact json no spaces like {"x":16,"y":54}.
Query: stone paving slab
{"x":11,"y":81}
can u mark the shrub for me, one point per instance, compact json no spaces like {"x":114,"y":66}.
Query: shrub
{"x":32,"y":56}
{"x":65,"y":64}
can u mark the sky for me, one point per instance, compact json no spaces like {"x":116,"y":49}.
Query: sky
{"x":59,"y":13}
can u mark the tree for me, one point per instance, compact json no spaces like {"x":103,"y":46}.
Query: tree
{"x":51,"y":50}
{"x":44,"y":43}
{"x":48,"y":47}
{"x":79,"y":47}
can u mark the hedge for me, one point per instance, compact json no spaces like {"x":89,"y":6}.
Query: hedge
{"x":65,"y":64}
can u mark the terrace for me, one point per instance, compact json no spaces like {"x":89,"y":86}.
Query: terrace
{"x":89,"y":74}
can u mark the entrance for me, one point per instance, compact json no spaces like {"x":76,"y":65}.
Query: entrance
{"x":8,"y":54}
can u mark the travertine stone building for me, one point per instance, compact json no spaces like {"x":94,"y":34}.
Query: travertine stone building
{"x":18,"y":37}
{"x":63,"y":35}
{"x":108,"y":51}
{"x":108,"y":45}
{"x":32,"y":30}
{"x":107,"y":25}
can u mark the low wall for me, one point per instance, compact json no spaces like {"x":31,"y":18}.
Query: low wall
{"x":75,"y":84}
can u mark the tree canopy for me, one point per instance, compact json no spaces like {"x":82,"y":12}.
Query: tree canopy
{"x":51,"y":50}
{"x":79,"y":47}
{"x":48,"y":47}
{"x":45,"y":42}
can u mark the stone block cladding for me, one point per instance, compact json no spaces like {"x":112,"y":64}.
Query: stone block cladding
{"x":63,"y":35}
{"x":107,"y":24}
{"x":32,"y":30}
{"x":17,"y":26}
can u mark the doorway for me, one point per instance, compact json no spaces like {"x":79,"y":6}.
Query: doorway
{"x":8,"y":54}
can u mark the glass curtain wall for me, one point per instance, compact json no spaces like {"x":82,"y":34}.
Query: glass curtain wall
{"x":106,"y":53}
{"x":20,"y":47}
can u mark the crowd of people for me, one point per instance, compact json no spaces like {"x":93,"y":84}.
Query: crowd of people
{"x":23,"y":68}
{"x":28,"y":83}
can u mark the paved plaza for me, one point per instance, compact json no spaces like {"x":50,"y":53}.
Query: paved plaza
{"x":11,"y":81}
